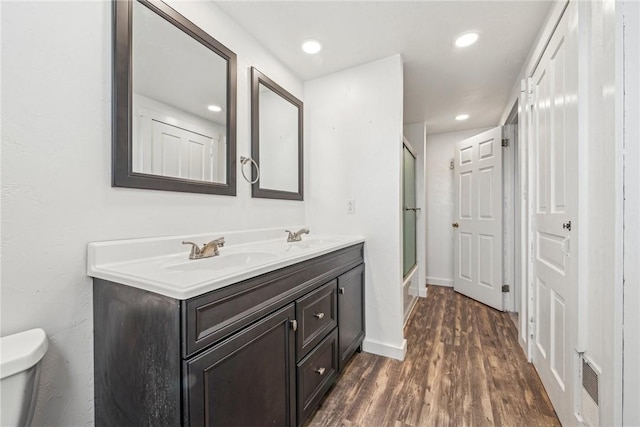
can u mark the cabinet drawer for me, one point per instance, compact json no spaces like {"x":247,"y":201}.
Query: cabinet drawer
{"x":316,"y":374}
{"x":218,"y":314}
{"x":317,"y":315}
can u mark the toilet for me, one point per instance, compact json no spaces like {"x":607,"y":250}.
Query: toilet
{"x":20,"y":357}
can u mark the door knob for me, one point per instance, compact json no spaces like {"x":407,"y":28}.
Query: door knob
{"x":455,"y":225}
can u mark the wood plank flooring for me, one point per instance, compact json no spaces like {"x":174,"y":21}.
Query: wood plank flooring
{"x":464,"y":367}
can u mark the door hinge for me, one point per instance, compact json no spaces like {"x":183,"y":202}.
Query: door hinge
{"x":505,"y":142}
{"x":531,"y":252}
{"x":532,"y":322}
{"x":294,"y":325}
{"x":530,"y":99}
{"x":505,"y":288}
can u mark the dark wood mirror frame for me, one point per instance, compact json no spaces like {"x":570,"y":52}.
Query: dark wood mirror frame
{"x":258,"y":78}
{"x":122,"y":158}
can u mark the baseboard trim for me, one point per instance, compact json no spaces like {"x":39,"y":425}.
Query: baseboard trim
{"x":414,"y":292}
{"x":440,"y":281}
{"x":407,"y":314}
{"x":386,"y":350}
{"x":422,"y":292}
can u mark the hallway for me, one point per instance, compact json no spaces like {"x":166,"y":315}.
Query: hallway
{"x":463,"y":366}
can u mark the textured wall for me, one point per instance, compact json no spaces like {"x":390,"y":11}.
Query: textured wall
{"x":56,"y":180}
{"x":354,"y":133}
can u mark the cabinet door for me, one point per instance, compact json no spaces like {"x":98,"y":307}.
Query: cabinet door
{"x":248,"y":379}
{"x":350,"y":312}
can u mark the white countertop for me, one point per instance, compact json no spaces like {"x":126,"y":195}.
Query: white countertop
{"x":162,"y":265}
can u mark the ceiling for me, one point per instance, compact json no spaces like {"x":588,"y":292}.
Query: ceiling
{"x":440,"y":80}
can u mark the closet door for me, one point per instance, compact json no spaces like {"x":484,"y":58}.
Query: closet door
{"x":555,"y":183}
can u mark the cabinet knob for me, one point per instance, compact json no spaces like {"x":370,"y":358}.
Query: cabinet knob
{"x":320,"y":371}
{"x":294,"y":324}
{"x":341,"y":290}
{"x":319,"y":315}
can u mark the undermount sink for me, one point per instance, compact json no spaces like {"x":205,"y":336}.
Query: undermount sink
{"x":224,"y":261}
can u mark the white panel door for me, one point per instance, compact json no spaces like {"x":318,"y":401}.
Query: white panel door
{"x":554,"y":178}
{"x":478,"y":218}
{"x":180,"y":153}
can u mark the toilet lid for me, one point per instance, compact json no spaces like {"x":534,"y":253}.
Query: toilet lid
{"x":21,"y":351}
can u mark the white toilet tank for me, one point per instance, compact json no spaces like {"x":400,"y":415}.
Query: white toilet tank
{"x":20,"y":357}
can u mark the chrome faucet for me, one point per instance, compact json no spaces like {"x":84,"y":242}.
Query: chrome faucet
{"x":297,"y":236}
{"x":208,"y":249}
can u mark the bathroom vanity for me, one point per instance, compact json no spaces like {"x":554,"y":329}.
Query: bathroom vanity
{"x":259,"y":343}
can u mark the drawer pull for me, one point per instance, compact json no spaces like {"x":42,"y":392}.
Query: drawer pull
{"x":341,"y":290}
{"x":319,"y":315}
{"x":320,"y":371}
{"x":294,"y":325}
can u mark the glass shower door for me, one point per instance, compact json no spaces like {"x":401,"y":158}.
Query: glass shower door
{"x":409,"y":210}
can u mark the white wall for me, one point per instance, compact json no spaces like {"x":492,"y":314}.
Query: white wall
{"x":56,"y":180}
{"x":353,"y":133}
{"x":631,"y":374}
{"x":440,"y":203}
{"x":600,"y":323}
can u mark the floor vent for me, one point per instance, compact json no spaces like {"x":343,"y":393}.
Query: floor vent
{"x":590,"y":394}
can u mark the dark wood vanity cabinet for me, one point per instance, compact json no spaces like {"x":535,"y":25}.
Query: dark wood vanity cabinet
{"x":260,"y":352}
{"x":316,"y":374}
{"x":351,"y":309}
{"x":247,"y":379}
{"x":317,"y":314}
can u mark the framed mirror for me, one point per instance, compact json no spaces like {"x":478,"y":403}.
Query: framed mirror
{"x":276,"y":140}
{"x":174,"y":103}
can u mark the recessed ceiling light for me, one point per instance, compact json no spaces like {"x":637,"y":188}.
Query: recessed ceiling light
{"x":214,"y":108}
{"x":311,"y":46}
{"x":467,"y":39}
{"x":461,"y":117}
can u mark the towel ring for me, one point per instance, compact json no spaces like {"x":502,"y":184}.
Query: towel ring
{"x":244,"y":161}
